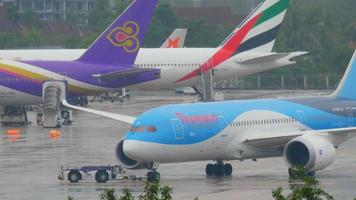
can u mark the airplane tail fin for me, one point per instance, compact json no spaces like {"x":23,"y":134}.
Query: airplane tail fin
{"x":259,"y":30}
{"x":176,"y":39}
{"x":347,"y":85}
{"x":121,"y":41}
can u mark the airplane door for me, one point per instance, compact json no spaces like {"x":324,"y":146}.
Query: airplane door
{"x":222,"y":125}
{"x":353,"y":116}
{"x":178,"y":129}
{"x":216,"y":144}
{"x":350,"y":112}
{"x":301,"y":117}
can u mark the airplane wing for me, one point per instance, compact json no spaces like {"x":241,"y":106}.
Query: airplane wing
{"x":267,"y":57}
{"x":127,"y":73}
{"x":122,"y":118}
{"x":336,"y":136}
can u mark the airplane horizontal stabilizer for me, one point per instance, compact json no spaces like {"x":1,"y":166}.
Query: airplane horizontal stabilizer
{"x":267,"y":57}
{"x":275,"y":140}
{"x":122,"y":118}
{"x":127,"y":73}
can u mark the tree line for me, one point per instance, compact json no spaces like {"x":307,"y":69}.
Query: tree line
{"x":323,"y":29}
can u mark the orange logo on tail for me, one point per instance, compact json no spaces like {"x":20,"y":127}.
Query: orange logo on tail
{"x":126,"y":37}
{"x":173,"y":43}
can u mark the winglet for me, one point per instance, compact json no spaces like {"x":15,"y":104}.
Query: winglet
{"x":120,"y":43}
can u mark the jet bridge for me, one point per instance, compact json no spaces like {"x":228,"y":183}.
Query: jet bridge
{"x":52,"y":93}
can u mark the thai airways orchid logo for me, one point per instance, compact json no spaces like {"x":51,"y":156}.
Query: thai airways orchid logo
{"x":126,"y":37}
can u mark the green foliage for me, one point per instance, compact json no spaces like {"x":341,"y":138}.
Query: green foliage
{"x":152,"y":191}
{"x":352,"y":32}
{"x":29,"y":17}
{"x":108,"y":194}
{"x":164,"y":21}
{"x":127,"y":195}
{"x":71,"y":41}
{"x":12,"y":12}
{"x":166,"y":193}
{"x":318,"y":28}
{"x":203,"y":34}
{"x":302,"y":187}
{"x":121,"y":5}
{"x":33,"y":37}
{"x":70,"y":198}
{"x":8,"y":40}
{"x":101,"y":16}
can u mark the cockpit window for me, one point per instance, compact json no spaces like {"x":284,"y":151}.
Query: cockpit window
{"x":141,"y":129}
{"x":151,"y":129}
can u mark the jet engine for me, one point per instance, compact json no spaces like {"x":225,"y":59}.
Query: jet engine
{"x":128,"y":162}
{"x":312,"y":152}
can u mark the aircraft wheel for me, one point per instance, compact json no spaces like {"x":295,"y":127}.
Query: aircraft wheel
{"x":311,"y":174}
{"x":210,"y":170}
{"x":228,"y":169}
{"x":74,"y":176}
{"x":153,"y":176}
{"x":101,"y":176}
{"x":219,"y":170}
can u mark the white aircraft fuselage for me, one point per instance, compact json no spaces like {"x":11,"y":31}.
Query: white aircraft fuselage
{"x":174,"y":63}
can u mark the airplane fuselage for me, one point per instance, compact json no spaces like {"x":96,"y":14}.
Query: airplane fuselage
{"x":218,"y":131}
{"x":173,"y":64}
{"x":21,"y":82}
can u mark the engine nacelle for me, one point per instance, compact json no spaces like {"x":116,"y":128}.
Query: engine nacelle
{"x":127,"y":162}
{"x":312,"y":152}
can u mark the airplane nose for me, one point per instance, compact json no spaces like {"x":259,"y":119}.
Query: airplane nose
{"x":132,"y":149}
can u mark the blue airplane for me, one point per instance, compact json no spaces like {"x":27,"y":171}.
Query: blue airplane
{"x":304,"y":131}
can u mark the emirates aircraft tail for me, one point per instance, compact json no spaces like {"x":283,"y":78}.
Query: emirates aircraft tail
{"x":256,"y":33}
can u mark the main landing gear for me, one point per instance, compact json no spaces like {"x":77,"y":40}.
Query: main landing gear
{"x":219,"y":169}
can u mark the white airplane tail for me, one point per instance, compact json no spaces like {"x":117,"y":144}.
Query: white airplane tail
{"x":176,"y":39}
{"x":259,"y":30}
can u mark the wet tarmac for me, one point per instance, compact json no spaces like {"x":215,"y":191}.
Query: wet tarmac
{"x":30,"y":160}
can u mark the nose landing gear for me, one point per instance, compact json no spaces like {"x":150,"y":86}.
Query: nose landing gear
{"x":219,"y":169}
{"x":153,"y":176}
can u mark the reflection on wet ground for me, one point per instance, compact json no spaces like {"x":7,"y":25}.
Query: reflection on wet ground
{"x":30,"y":159}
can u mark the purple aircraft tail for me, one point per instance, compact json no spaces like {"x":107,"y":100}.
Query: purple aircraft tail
{"x":119,"y":44}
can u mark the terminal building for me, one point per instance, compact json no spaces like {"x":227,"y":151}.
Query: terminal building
{"x":55,"y":10}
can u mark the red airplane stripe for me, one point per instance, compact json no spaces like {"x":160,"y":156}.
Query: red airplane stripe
{"x":225,"y":52}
